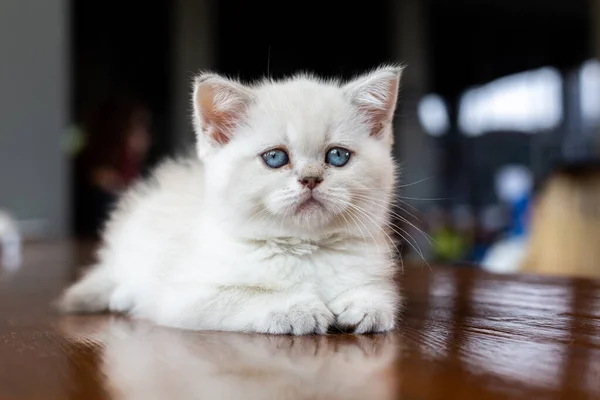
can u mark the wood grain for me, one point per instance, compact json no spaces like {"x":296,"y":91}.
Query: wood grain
{"x":464,"y":335}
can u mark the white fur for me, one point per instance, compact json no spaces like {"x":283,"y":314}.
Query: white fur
{"x":217,"y":243}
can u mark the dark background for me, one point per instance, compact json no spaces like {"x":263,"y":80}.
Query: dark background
{"x":94,"y":49}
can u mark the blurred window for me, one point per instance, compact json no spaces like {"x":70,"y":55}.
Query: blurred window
{"x":527,"y":102}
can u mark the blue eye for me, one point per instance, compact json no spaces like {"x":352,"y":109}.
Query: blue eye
{"x":338,"y":157}
{"x":276,"y":158}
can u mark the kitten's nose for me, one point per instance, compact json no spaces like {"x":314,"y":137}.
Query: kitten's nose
{"x":310,"y":182}
{"x":310,"y":176}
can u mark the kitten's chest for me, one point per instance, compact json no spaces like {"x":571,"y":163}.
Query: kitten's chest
{"x":286,"y":259}
{"x":289,"y":247}
{"x":278,"y":260}
{"x":284,"y":262}
{"x":308,"y":259}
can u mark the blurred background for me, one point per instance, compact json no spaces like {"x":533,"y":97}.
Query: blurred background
{"x":498,"y":98}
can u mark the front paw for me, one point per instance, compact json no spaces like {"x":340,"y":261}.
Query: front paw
{"x":364,"y":314}
{"x":301,"y":319}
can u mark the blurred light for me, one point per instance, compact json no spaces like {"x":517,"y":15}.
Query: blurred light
{"x":527,"y":102}
{"x":10,"y":242}
{"x":433,"y":115}
{"x":513,"y":182}
{"x":590,"y":91}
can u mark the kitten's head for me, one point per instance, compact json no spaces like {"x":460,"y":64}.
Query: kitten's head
{"x":299,"y":157}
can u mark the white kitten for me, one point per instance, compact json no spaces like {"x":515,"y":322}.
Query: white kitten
{"x":278,"y":227}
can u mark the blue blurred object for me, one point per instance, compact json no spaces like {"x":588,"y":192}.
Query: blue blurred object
{"x":514,"y":185}
{"x":520,"y":216}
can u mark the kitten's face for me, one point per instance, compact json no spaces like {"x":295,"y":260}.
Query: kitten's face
{"x":306,"y":159}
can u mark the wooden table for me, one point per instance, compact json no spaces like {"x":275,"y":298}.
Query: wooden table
{"x":464,"y":335}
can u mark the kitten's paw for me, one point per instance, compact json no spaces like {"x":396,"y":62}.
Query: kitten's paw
{"x":366,"y":320}
{"x":302,"y":319}
{"x":89,"y":295}
{"x":77,"y":301}
{"x":359,"y":315}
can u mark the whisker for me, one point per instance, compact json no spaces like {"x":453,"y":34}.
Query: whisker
{"x":395,"y":228}
{"x":415,"y":246}
{"x":347,"y":204}
{"x":414,"y":183}
{"x":358,"y":227}
{"x":368,"y":231}
{"x":403,"y":219}
{"x":425,"y":198}
{"x":353,"y":206}
{"x":407,"y":204}
{"x":384,"y":203}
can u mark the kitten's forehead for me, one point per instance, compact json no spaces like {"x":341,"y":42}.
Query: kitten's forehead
{"x":304,"y":113}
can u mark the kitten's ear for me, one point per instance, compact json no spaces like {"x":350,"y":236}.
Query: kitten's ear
{"x":375,"y":94}
{"x":220,"y":104}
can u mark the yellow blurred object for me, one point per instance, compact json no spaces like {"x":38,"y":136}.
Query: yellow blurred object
{"x":448,"y":245}
{"x":565,"y":229}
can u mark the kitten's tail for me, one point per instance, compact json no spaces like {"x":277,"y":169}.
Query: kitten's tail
{"x":90,"y":294}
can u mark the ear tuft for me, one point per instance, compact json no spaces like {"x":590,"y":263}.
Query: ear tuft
{"x":220,"y":104}
{"x":375,"y":94}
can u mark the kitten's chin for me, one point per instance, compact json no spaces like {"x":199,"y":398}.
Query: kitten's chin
{"x":312,"y":215}
{"x":309,"y":206}
{"x":313,"y":222}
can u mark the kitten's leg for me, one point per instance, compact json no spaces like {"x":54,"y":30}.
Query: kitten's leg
{"x":368,"y":308}
{"x":90,"y":294}
{"x":245,"y":309}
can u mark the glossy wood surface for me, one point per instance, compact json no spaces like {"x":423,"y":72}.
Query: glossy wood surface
{"x":464,"y":335}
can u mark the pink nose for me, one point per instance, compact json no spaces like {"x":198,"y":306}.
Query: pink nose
{"x":310,"y":182}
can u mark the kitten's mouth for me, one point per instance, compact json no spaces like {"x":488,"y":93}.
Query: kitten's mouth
{"x":308,"y":205}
